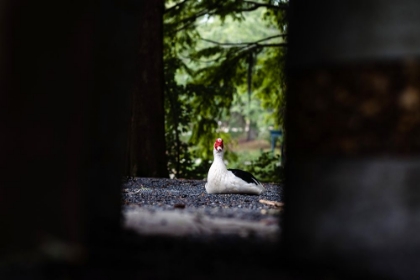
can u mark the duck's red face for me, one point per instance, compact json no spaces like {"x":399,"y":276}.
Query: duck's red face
{"x":218,"y":145}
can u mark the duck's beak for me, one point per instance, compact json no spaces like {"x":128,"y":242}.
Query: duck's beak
{"x":219,"y":148}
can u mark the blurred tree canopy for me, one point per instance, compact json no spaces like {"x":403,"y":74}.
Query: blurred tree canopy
{"x":213,"y":71}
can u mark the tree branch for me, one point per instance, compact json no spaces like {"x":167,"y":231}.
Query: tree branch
{"x":184,"y":26}
{"x":256,"y":5}
{"x":175,"y":6}
{"x":212,"y":10}
{"x":271,"y":37}
{"x":247,"y":43}
{"x":273,"y":45}
{"x":191,"y":20}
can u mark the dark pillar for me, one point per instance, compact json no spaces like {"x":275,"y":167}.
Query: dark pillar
{"x":65,"y":67}
{"x":146,"y":154}
{"x":353,"y":124}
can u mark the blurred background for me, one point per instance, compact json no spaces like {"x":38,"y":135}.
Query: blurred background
{"x":224,"y":78}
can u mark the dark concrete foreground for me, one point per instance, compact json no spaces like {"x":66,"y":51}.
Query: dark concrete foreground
{"x":218,"y":236}
{"x":183,"y":208}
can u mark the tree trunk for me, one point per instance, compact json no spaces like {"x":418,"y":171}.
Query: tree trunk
{"x":147,"y":149}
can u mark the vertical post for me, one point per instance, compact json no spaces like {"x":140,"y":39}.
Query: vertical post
{"x":147,"y":150}
{"x":63,"y":71}
{"x":353,"y":123}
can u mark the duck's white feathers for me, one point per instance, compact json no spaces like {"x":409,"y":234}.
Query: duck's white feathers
{"x":222,"y":180}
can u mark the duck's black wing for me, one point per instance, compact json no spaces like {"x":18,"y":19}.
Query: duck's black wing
{"x":246,"y":176}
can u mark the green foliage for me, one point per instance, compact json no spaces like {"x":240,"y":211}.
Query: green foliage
{"x":206,"y":74}
{"x":267,"y":168}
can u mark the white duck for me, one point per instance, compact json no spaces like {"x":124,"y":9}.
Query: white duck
{"x":223,"y":180}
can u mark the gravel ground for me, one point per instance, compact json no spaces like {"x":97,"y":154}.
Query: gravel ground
{"x":191,"y":196}
{"x":188,"y":200}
